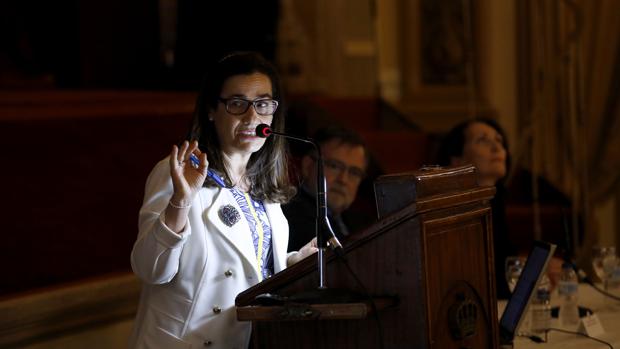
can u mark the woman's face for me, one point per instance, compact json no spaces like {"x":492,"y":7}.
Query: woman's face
{"x":484,"y":149}
{"x":237,"y":133}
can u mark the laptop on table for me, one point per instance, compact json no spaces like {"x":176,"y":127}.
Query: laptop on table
{"x":535,"y":267}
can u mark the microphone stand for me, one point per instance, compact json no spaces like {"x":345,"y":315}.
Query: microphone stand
{"x":324,"y":232}
{"x":323,"y":228}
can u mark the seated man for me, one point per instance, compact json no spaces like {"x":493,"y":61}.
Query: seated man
{"x":346,"y":159}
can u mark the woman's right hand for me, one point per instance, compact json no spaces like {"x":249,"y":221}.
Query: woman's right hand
{"x":307,"y":250}
{"x":186,"y":179}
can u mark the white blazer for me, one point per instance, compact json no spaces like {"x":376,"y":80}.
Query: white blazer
{"x":191,"y":279}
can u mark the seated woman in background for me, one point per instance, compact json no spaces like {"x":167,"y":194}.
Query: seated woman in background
{"x":203,"y":240}
{"x":482,"y":143}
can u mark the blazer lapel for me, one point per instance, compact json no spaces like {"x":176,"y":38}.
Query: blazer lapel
{"x":239,"y":234}
{"x":279,"y":235}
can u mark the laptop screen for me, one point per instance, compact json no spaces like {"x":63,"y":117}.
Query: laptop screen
{"x":517,"y":305}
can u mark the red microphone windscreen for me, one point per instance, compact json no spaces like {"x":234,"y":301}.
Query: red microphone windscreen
{"x":263,"y":130}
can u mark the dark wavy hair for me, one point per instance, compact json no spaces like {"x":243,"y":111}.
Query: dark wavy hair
{"x":341,"y":134}
{"x":453,"y":142}
{"x":267,"y":168}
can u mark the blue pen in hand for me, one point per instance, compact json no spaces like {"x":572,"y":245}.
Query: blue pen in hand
{"x":196,"y":162}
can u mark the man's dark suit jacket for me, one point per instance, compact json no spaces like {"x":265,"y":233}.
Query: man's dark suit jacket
{"x":301,"y":215}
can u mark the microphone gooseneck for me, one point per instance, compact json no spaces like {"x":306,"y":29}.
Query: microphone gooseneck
{"x":323,"y":227}
{"x":324,"y":236}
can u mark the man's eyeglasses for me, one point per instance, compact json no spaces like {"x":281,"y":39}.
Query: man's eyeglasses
{"x":337,"y":167}
{"x":238,"y":106}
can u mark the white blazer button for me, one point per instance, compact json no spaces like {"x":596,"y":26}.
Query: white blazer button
{"x":207,"y":343}
{"x":217,"y":309}
{"x":228,"y":273}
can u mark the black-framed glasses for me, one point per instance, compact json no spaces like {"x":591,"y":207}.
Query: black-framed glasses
{"x":337,"y":167}
{"x":238,"y":106}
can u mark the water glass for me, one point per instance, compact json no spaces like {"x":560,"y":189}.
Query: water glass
{"x":514,"y":267}
{"x":605,"y":263}
{"x":604,"y":260}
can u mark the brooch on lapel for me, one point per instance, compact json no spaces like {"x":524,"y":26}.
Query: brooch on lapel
{"x":229,"y":215}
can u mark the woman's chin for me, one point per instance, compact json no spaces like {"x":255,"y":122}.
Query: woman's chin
{"x":498,"y":172}
{"x":250,"y":145}
{"x":491,"y":178}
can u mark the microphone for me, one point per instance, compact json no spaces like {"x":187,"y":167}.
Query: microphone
{"x":324,"y":229}
{"x":583,"y":277}
{"x":263,"y":130}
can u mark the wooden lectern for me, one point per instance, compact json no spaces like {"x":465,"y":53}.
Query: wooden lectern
{"x":427,"y":264}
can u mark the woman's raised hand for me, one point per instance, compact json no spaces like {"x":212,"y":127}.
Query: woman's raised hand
{"x":187,"y":178}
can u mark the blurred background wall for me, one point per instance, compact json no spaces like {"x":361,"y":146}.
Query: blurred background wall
{"x":92,"y":94}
